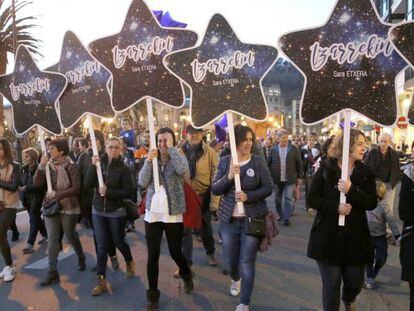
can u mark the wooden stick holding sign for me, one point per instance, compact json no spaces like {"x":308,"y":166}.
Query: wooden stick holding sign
{"x":233,"y":147}
{"x":44,"y":152}
{"x":95,"y":150}
{"x":345,"y":158}
{"x":153,"y":144}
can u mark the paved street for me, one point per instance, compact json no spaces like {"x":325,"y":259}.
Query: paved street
{"x":285,"y":280}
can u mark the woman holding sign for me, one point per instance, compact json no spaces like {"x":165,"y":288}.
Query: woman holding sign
{"x":164,"y":211}
{"x":237,"y":228}
{"x":9,"y":203}
{"x":342,"y":252}
{"x":108,"y":213}
{"x":66,"y":186}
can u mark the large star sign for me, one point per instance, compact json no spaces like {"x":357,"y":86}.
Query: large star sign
{"x":402,"y":36}
{"x":134,"y":56}
{"x":349,"y":63}
{"x":88,"y":89}
{"x":223,"y":74}
{"x":33,"y":94}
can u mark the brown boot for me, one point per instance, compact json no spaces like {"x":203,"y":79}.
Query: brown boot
{"x":130,"y":268}
{"x":100,"y":288}
{"x":350,"y":306}
{"x":153,"y":298}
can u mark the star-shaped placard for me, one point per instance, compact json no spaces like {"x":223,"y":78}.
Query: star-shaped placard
{"x":87,"y":90}
{"x":349,"y":63}
{"x":134,"y":56}
{"x":402,"y":36}
{"x":224,"y":74}
{"x":33,"y":94}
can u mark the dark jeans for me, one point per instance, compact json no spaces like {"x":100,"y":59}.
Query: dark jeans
{"x":308,"y":181}
{"x":206,"y":235}
{"x":381,"y":254}
{"x":106,"y":228}
{"x":7,"y":217}
{"x":36,"y":225}
{"x":111,"y":244}
{"x":13,"y":226}
{"x":239,"y":252}
{"x":153,"y":236}
{"x":332,"y":277}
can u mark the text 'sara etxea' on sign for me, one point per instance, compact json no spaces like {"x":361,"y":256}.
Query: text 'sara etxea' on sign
{"x":224,"y":74}
{"x":33,"y":94}
{"x":135,"y":54}
{"x":402,"y":36}
{"x":88,"y":89}
{"x":349,"y":63}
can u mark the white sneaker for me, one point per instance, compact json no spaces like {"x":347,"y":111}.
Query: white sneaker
{"x":3,"y":272}
{"x":242,"y":307}
{"x":235,"y":288}
{"x":10,"y":273}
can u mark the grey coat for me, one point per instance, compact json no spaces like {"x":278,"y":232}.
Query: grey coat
{"x":378,"y":219}
{"x":172,"y":178}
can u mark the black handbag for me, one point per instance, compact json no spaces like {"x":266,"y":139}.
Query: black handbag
{"x":256,"y":227}
{"x":131,"y":210}
{"x":51,"y":209}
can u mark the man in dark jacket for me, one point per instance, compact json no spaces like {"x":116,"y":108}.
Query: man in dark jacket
{"x":285,"y":165}
{"x":86,"y":195}
{"x":385,"y":163}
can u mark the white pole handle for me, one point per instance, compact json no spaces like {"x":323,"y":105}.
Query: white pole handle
{"x":95,"y":150}
{"x":153,"y":145}
{"x":240,"y":208}
{"x":345,"y":158}
{"x":44,"y":152}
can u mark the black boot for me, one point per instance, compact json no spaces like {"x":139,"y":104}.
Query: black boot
{"x":52,"y":278}
{"x":81,"y":263}
{"x":153,"y":299}
{"x":15,"y":236}
{"x":188,"y":282}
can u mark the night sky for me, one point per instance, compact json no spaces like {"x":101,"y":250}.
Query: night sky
{"x":403,"y":38}
{"x":40,"y":107}
{"x":87,"y":91}
{"x":133,"y":81}
{"x":238,"y":90}
{"x":352,"y":21}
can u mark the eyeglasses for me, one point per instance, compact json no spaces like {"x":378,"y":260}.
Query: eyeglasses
{"x":113,"y":147}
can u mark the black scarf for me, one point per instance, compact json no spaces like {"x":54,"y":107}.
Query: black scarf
{"x":193,"y":154}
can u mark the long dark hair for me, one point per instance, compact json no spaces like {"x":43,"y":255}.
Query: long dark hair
{"x":8,"y":154}
{"x":163,"y":131}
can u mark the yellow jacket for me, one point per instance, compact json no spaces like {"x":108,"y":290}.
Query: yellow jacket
{"x":206,"y":167}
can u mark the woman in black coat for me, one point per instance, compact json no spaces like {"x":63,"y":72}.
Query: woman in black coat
{"x":32,"y":199}
{"x":342,"y":252}
{"x":406,"y":210}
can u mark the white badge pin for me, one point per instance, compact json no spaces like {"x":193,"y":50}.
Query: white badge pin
{"x":250,"y":172}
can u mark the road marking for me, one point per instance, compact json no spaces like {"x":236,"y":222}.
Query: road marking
{"x":44,"y":262}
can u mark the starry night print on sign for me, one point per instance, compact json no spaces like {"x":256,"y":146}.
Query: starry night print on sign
{"x":134,"y":56}
{"x":224,"y":74}
{"x":402,"y":36}
{"x":87,"y":90}
{"x":349,"y":63}
{"x":33,"y":94}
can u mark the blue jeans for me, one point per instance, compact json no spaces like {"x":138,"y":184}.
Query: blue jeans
{"x":284,"y":194}
{"x":106,"y":228}
{"x":239,"y":252}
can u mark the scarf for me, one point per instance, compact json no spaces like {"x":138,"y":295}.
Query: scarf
{"x":63,"y":181}
{"x":193,"y":154}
